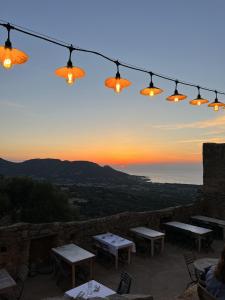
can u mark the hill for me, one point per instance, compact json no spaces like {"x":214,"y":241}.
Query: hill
{"x":67,"y":172}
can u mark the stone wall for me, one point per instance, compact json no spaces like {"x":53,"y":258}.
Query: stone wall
{"x":214,"y":180}
{"x":16,"y":240}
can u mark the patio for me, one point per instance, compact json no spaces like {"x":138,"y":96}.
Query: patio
{"x":163,"y":276}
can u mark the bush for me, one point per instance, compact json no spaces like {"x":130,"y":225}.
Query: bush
{"x":31,"y":201}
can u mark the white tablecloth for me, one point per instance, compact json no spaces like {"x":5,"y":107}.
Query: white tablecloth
{"x":114,"y":242}
{"x":103,"y":291}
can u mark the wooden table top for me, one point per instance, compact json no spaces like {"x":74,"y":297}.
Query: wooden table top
{"x":6,"y":281}
{"x":209,"y":220}
{"x":101,"y":291}
{"x":188,"y":227}
{"x":73,"y":253}
{"x":147,"y":232}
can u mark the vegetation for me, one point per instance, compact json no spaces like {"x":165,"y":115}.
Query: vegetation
{"x":103,"y":201}
{"x":25,"y":200}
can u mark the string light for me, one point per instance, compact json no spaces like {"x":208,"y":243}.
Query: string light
{"x":176,"y":96}
{"x":199,"y":100}
{"x":151,"y":90}
{"x":216,"y":104}
{"x":69,"y":72}
{"x":11,"y":56}
{"x":117,"y":83}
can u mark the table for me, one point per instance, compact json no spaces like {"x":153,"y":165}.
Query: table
{"x":202,"y":263}
{"x":151,"y":235}
{"x":74,"y":255}
{"x":208,"y":220}
{"x":112,"y":243}
{"x":6,"y":281}
{"x":198,"y":232}
{"x":101,"y":293}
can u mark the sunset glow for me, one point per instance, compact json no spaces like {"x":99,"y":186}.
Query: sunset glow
{"x":41,"y":117}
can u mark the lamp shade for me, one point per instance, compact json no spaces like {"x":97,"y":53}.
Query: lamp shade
{"x":70,"y":73}
{"x":216,"y":105}
{"x":12,"y":56}
{"x":198,"y":101}
{"x":151,"y":91}
{"x":117,"y":83}
{"x":176,"y":97}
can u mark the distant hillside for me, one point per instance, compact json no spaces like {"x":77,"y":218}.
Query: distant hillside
{"x":69,"y":172}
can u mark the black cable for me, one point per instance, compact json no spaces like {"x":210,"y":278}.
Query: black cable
{"x":117,"y":62}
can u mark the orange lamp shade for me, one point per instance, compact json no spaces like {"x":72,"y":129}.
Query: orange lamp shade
{"x":70,"y":73}
{"x":12,"y":56}
{"x":118,"y":84}
{"x":216,"y":105}
{"x":198,"y":101}
{"x":176,"y":97}
{"x":151,"y":91}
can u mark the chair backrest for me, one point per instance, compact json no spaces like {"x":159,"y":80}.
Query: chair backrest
{"x":124,"y":284}
{"x":58,"y":265}
{"x":203,"y":294}
{"x":189,"y":258}
{"x":22,"y":273}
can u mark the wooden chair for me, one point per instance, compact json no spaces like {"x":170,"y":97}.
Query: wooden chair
{"x":20,"y":280}
{"x":124,"y":284}
{"x":203,"y":294}
{"x":189,"y":259}
{"x":60,"y":271}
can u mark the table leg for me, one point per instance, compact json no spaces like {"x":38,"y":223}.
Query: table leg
{"x":129,"y":255}
{"x":152,"y":247}
{"x":73,"y":275}
{"x":162,"y":245}
{"x":223,"y":233}
{"x":116,"y":261}
{"x":91,"y":268}
{"x":199,"y":244}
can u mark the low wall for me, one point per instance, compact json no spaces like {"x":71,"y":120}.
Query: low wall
{"x":21,"y":242}
{"x":214,"y":179}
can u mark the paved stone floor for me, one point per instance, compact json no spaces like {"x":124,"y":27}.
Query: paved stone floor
{"x":164,"y":276}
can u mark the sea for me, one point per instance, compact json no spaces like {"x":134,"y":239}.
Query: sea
{"x":167,"y":173}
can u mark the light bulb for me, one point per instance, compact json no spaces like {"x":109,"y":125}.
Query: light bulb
{"x":70,"y":79}
{"x":176,"y":99}
{"x":118,"y":87}
{"x":7,"y":63}
{"x":199,"y":103}
{"x":151,"y":93}
{"x":216,"y":108}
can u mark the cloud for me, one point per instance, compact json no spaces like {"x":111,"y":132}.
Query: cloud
{"x":203,"y":140}
{"x":216,"y":122}
{"x":11,"y":104}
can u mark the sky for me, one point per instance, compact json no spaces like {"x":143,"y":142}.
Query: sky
{"x":41,"y":116}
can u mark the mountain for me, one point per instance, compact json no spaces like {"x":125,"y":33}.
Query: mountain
{"x":69,"y":172}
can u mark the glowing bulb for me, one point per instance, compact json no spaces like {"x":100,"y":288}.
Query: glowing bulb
{"x":216,"y":108}
{"x":176,"y":99}
{"x":70,"y":79}
{"x":151,"y":93}
{"x":199,"y":103}
{"x":7,"y":63}
{"x":118,"y":87}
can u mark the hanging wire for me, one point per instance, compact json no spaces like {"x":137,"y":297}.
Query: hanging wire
{"x":64,"y":44}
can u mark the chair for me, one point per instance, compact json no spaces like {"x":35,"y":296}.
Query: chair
{"x":60,"y":271}
{"x":189,"y":259}
{"x":124,"y":284}
{"x":103,"y":254}
{"x":203,"y":294}
{"x":20,"y":279}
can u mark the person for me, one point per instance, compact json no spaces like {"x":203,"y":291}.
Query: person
{"x":215,"y":278}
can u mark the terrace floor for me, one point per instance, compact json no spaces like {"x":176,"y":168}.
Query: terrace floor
{"x":163,"y":276}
